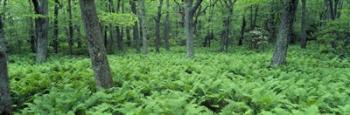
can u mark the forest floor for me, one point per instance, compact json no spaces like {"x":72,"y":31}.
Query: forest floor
{"x":238,"y":82}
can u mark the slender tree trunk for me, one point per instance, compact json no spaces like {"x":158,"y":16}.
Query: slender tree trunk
{"x":167,"y":27}
{"x":303,"y":36}
{"x":157,"y":20}
{"x":70,"y":27}
{"x":55,"y":26}
{"x":135,"y":28}
{"x":96,"y":49}
{"x":5,"y":97}
{"x":189,"y":28}
{"x":280,"y":53}
{"x":143,"y":26}
{"x":41,"y":24}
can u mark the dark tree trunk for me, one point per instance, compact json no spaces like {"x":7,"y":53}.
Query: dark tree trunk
{"x":167,"y":27}
{"x":78,"y":37}
{"x":128,"y":37}
{"x":241,"y":38}
{"x":280,"y":53}
{"x":5,"y":97}
{"x":32,"y":39}
{"x":292,"y":36}
{"x":135,"y":28}
{"x":303,"y":37}
{"x":96,"y":49}
{"x":70,"y":27}
{"x":190,"y":10}
{"x":55,"y":26}
{"x":157,"y":20}
{"x":41,"y":24}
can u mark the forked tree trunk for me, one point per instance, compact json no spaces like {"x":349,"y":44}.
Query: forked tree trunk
{"x":41,"y":24}
{"x":96,"y":48}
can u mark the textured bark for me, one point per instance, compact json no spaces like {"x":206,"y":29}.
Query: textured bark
{"x":96,"y":48}
{"x":5,"y":97}
{"x":157,"y":20}
{"x":190,"y":10}
{"x":167,"y":27}
{"x":303,"y":39}
{"x":70,"y":27}
{"x":55,"y":26}
{"x":280,"y":53}
{"x":41,"y":24}
{"x":143,"y":27}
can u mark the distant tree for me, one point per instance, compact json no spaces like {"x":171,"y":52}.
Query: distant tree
{"x":96,"y":48}
{"x":70,"y":27}
{"x":143,"y":26}
{"x":227,"y":24}
{"x":190,"y":10}
{"x":55,"y":26}
{"x":167,"y":27}
{"x":41,"y":7}
{"x":303,"y":39}
{"x":135,"y":28}
{"x":157,"y":19}
{"x":281,"y":48}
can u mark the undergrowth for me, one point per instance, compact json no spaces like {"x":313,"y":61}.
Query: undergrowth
{"x":238,"y":82}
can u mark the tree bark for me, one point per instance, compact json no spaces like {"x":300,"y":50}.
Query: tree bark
{"x":167,"y":27}
{"x":41,"y":24}
{"x":303,"y":36}
{"x":70,"y":27}
{"x":280,"y":53}
{"x":142,"y":15}
{"x":243,"y":26}
{"x":96,"y":48}
{"x":135,"y":28}
{"x":190,"y":10}
{"x":5,"y":97}
{"x":55,"y":26}
{"x":157,"y":20}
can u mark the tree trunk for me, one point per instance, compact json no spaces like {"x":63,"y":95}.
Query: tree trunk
{"x":5,"y":97}
{"x":135,"y":28}
{"x":167,"y":27}
{"x":96,"y":49}
{"x":241,"y":38}
{"x":190,"y":10}
{"x":41,"y":24}
{"x":142,"y":15}
{"x":280,"y":53}
{"x":157,"y":20}
{"x":70,"y":27}
{"x":303,"y":37}
{"x":55,"y":26}
{"x":189,"y":28}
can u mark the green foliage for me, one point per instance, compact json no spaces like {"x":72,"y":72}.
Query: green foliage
{"x":116,"y":19}
{"x":169,"y":83}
